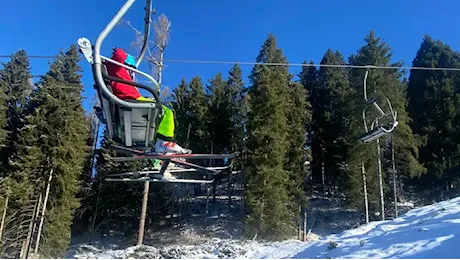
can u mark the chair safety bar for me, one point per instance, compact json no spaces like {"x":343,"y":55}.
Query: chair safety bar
{"x":136,"y":84}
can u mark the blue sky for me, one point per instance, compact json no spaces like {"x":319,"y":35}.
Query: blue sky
{"x":229,"y":30}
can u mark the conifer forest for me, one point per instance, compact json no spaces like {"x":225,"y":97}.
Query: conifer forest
{"x":295,"y":136}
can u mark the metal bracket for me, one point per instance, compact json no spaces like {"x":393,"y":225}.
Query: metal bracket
{"x":86,"y":48}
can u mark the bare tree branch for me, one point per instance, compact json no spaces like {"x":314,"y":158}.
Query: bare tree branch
{"x":155,"y":52}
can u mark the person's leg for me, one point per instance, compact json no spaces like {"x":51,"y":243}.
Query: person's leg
{"x":145,"y":99}
{"x":166,"y":127}
{"x":165,"y":134}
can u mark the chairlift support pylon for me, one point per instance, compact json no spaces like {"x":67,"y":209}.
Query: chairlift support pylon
{"x":133,"y":123}
{"x":376,"y":130}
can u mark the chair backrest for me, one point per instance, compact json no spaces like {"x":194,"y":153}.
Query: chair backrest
{"x":126,"y":125}
{"x":108,"y":108}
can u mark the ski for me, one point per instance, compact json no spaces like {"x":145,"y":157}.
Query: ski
{"x":139,"y":155}
{"x":144,"y":179}
{"x":172,"y":156}
{"x":198,"y":167}
{"x":156,"y":173}
{"x":127,"y":150}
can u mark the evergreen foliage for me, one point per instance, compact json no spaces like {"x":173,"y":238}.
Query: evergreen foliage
{"x":219,"y":115}
{"x":267,"y":181}
{"x":61,"y":129}
{"x":434,"y":102}
{"x":15,"y":82}
{"x":236,"y":107}
{"x":3,"y":118}
{"x":298,"y":117}
{"x":180,"y":106}
{"x":197,"y":113}
{"x":308,"y":78}
{"x":331,"y":118}
{"x":51,"y":140}
{"x":16,"y":181}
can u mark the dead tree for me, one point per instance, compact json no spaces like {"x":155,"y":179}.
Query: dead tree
{"x":16,"y":226}
{"x":2,"y":224}
{"x":43,"y":211}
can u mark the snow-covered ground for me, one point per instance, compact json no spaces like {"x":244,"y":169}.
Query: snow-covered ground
{"x":428,"y":232}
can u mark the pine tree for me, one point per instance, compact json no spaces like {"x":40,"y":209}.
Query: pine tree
{"x":308,"y":78}
{"x":16,"y":87}
{"x":198,"y":117}
{"x":330,"y":103}
{"x":299,"y":117}
{"x":219,"y":115}
{"x":267,"y":181}
{"x":434,"y":106}
{"x":3,"y":118}
{"x":54,"y":137}
{"x":17,"y":184}
{"x":236,"y":107}
{"x":180,"y":106}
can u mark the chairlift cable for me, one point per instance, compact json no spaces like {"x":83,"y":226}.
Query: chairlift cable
{"x":281,"y":64}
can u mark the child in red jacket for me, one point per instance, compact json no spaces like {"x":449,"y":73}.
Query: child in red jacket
{"x":165,"y":132}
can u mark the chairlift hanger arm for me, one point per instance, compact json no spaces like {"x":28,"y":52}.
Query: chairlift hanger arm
{"x":365,"y":85}
{"x":148,"y":20}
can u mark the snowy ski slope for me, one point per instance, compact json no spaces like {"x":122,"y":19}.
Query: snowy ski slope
{"x":428,"y":232}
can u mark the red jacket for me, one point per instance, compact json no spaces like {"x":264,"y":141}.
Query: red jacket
{"x":121,"y":90}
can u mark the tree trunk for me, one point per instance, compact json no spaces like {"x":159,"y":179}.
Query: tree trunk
{"x":395,"y":192}
{"x":304,"y":226}
{"x":96,"y":209}
{"x":2,"y":224}
{"x":206,"y":207}
{"x":32,"y":226}
{"x":366,"y":202}
{"x":188,"y":134}
{"x":145,"y":198}
{"x":299,"y":228}
{"x":323,"y":176}
{"x":42,"y":217}
{"x":229,"y":192}
{"x":380,"y":177}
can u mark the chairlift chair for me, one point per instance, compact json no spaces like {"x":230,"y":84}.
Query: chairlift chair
{"x":377,"y":130}
{"x":132,"y":123}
